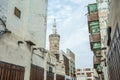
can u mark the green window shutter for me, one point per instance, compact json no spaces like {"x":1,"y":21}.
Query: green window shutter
{"x":94,"y":26}
{"x":95,"y":30}
{"x":94,"y":23}
{"x":92,"y":8}
{"x":99,"y":67}
{"x":96,"y":45}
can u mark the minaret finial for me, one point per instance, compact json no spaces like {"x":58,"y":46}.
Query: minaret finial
{"x":54,"y":27}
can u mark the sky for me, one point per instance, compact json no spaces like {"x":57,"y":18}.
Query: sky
{"x":71,"y":19}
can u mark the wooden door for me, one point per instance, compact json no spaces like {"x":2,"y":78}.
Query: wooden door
{"x":11,"y":72}
{"x":50,"y":75}
{"x":37,"y":73}
{"x":60,"y":77}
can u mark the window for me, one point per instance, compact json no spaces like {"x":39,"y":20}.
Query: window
{"x":94,"y":26}
{"x":92,"y":8}
{"x":82,"y":73}
{"x":55,"y":45}
{"x":37,"y":73}
{"x":60,"y":77}
{"x":78,"y":73}
{"x":89,"y":79}
{"x":87,"y":69}
{"x":96,"y":45}
{"x":78,"y":69}
{"x":17,"y":12}
{"x":89,"y":75}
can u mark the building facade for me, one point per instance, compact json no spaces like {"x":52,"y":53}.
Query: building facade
{"x":72,"y":69}
{"x":98,"y":23}
{"x":103,"y":10}
{"x":68,"y":59}
{"x":18,"y":55}
{"x":95,"y":36}
{"x":84,"y":74}
{"x":28,"y":17}
{"x":113,"y":40}
{"x":65,"y":59}
{"x":22,"y":43}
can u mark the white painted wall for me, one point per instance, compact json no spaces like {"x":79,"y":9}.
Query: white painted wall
{"x":32,"y":23}
{"x":37,"y":21}
{"x":3,"y":9}
{"x":14,"y":24}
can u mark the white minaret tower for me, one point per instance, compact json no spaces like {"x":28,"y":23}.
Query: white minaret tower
{"x":54,"y":27}
{"x":54,"y":40}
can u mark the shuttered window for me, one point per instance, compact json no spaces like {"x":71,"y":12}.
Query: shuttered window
{"x":60,"y":77}
{"x":11,"y":72}
{"x":92,"y":8}
{"x":37,"y":73}
{"x":17,"y":12}
{"x":96,"y":45}
{"x":94,"y":26}
{"x":50,"y":75}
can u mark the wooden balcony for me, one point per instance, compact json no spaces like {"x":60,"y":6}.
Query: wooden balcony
{"x":95,"y":38}
{"x":93,"y":16}
{"x":97,"y":60}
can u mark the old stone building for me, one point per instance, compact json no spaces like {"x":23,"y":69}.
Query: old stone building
{"x":72,"y":69}
{"x":22,"y":39}
{"x":103,"y":10}
{"x":85,"y":74}
{"x":22,"y":43}
{"x":114,"y":41}
{"x":97,"y":25}
{"x":68,"y":59}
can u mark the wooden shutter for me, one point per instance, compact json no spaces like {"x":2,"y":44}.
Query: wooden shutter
{"x":11,"y":72}
{"x":50,"y":75}
{"x":37,"y":73}
{"x":60,"y":77}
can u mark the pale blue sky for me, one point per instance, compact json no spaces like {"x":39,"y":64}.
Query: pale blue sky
{"x":72,"y":26}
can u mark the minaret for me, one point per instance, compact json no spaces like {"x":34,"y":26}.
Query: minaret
{"x":54,"y":40}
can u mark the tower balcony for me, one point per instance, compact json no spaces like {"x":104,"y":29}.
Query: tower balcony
{"x":54,"y":35}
